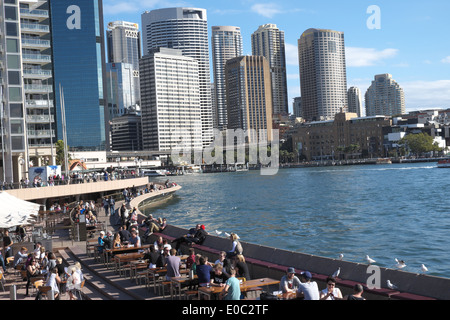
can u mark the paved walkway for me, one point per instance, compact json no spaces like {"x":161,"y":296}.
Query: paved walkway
{"x":101,"y":283}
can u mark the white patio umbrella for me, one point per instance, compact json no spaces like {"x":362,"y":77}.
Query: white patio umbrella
{"x":15,"y":211}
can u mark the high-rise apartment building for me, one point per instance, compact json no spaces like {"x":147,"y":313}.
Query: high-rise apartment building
{"x":323,"y":79}
{"x":27,"y":112}
{"x":226,"y":43}
{"x":171,"y":108}
{"x":354,"y":99}
{"x":79,"y":69}
{"x":268,"y":41}
{"x":185,"y":29}
{"x":122,"y":69}
{"x":249,"y":96}
{"x":384,"y":97}
{"x":297,"y":106}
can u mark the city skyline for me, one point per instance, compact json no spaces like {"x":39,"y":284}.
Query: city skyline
{"x":401,"y":38}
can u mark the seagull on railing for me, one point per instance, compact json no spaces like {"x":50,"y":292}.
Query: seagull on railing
{"x":400,"y":263}
{"x":227,"y":234}
{"x":369,"y":260}
{"x":336,"y":273}
{"x":391,"y":285}
{"x":341,"y":256}
{"x":423,"y":268}
{"x":218,"y":232}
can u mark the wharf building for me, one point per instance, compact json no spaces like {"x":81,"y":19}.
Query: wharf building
{"x":226,"y":43}
{"x":249,"y":96}
{"x":79,"y":69}
{"x":26,"y":88}
{"x":332,"y":139}
{"x":354,"y":98}
{"x":185,"y":29}
{"x":122,"y":69}
{"x":171,"y":101}
{"x":268,"y":41}
{"x":323,"y":79}
{"x":384,"y":97}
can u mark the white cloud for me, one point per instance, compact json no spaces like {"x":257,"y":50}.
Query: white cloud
{"x":291,"y":54}
{"x":267,"y":10}
{"x":427,"y":94}
{"x":366,"y":57}
{"x":446,"y":60}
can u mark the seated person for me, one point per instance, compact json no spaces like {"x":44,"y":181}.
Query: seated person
{"x":203,"y":272}
{"x":289,"y":282}
{"x":218,"y":277}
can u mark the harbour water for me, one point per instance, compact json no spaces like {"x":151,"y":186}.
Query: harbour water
{"x":384,"y":211}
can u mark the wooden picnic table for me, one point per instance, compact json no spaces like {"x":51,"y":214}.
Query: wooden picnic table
{"x":245,"y":286}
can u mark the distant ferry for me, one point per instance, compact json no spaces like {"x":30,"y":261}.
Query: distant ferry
{"x":153,"y":173}
{"x":444,"y":163}
{"x":384,"y":161}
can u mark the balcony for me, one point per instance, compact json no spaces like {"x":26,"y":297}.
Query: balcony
{"x":37,"y":74}
{"x":34,"y":28}
{"x":40,"y":119}
{"x":33,"y":14}
{"x":40,"y":134}
{"x":36,"y":58}
{"x":38,"y":104}
{"x":37,"y":88}
{"x":35,"y":43}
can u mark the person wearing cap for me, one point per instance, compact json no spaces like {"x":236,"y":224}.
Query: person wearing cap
{"x":289,"y":282}
{"x":308,"y":289}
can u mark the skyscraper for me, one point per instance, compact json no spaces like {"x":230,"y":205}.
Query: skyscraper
{"x":323,"y":79}
{"x":354,"y":99}
{"x":185,"y":29}
{"x":79,"y":68}
{"x":171,"y":110}
{"x":226,"y":43}
{"x":384,"y":97}
{"x":124,"y":51}
{"x":268,"y":41}
{"x":249,"y":96}
{"x":25,"y":87}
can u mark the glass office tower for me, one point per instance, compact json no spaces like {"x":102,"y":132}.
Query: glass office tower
{"x":79,"y":68}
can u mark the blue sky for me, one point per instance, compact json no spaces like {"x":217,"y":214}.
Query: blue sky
{"x":412,"y":43}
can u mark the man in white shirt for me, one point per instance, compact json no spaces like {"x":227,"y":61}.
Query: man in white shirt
{"x":308,"y":288}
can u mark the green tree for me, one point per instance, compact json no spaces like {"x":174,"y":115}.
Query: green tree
{"x":60,"y":154}
{"x":419,"y":143}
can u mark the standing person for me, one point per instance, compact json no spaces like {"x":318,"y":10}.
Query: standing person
{"x":106,"y":205}
{"x":236,"y":247}
{"x":152,"y":256}
{"x":7,"y":245}
{"x":123,"y":214}
{"x":112,"y":205}
{"x":232,"y":289}
{"x":173,"y":265}
{"x":2,"y":261}
{"x":289,"y":282}
{"x":125,"y":235}
{"x":73,"y":282}
{"x":308,"y":289}
{"x":331,"y":292}
{"x":101,"y":242}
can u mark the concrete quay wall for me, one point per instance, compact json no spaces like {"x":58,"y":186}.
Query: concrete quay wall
{"x":410,"y":283}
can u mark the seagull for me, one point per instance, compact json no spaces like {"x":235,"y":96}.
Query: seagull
{"x":423,"y":268}
{"x":227,"y":234}
{"x":218,"y":232}
{"x":391,"y":286}
{"x":400,"y":263}
{"x":336,"y":273}
{"x":369,"y":260}
{"x":341,"y":256}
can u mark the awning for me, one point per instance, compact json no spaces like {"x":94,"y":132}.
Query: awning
{"x":15,"y":212}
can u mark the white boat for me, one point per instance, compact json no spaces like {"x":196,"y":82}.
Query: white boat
{"x":444,"y":163}
{"x":384,"y":161}
{"x":240,"y":167}
{"x":153,"y":173}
